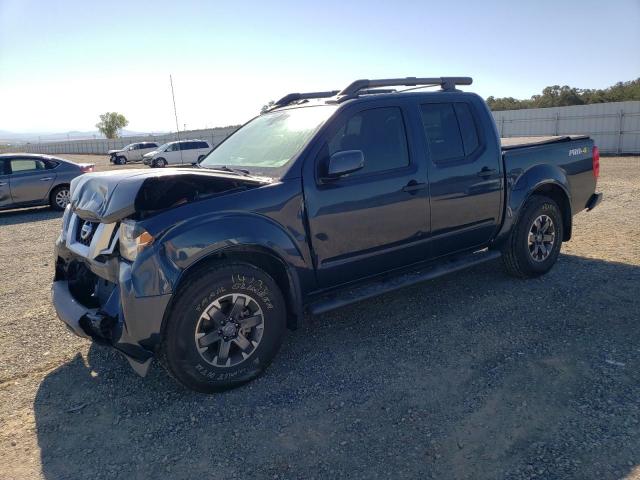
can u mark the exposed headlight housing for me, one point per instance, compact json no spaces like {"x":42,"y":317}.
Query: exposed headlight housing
{"x":133,"y":239}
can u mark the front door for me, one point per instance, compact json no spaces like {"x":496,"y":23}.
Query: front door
{"x":466,"y":178}
{"x":375,"y":219}
{"x":30,"y":180}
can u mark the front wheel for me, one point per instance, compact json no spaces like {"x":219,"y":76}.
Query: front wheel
{"x":159,"y":163}
{"x":224,"y":328}
{"x":120,"y":160}
{"x":534,"y":244}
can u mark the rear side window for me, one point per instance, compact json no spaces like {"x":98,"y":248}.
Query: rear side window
{"x":4,"y":167}
{"x":442,"y":131}
{"x":203,"y":145}
{"x":26,"y":165}
{"x":380,"y":134}
{"x":468,"y":128}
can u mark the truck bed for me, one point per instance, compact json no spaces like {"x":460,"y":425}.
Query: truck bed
{"x":512,"y":143}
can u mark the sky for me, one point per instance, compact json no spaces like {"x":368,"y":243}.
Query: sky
{"x":64,"y":62}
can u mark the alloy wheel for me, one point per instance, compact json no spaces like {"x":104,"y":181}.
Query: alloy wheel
{"x":62,"y":198}
{"x":229,"y":330}
{"x":541,"y":238}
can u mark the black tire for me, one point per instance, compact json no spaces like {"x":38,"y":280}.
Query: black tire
{"x":523,"y":259}
{"x":120,"y":160}
{"x":159,"y":163}
{"x":179,"y":352}
{"x":200,"y":158}
{"x":56,"y":196}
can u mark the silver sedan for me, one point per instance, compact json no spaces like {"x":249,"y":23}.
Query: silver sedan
{"x":28,"y":180}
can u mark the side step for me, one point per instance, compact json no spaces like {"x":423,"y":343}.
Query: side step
{"x":389,"y":284}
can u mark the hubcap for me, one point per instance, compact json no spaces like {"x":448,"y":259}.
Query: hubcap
{"x":541,"y":238}
{"x":62,"y":198}
{"x":229,"y":330}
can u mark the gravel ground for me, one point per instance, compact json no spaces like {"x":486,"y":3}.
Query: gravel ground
{"x":480,"y":376}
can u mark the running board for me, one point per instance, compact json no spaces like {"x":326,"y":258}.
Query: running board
{"x":389,"y":284}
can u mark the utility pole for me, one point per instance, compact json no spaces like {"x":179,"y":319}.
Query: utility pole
{"x":175,"y":112}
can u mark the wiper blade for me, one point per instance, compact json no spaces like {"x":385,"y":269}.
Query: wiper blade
{"x":224,"y":168}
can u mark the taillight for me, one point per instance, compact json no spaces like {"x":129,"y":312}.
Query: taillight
{"x":86,"y":168}
{"x":595,"y":155}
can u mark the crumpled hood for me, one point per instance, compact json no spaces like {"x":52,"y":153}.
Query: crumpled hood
{"x":111,"y":196}
{"x":114,"y":151}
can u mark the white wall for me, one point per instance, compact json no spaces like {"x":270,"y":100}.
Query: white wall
{"x":615,"y":127}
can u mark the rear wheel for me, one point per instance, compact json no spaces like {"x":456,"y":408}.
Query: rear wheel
{"x":159,"y":163}
{"x":60,"y":197}
{"x":534,"y":244}
{"x":200,"y":158}
{"x":224,"y":328}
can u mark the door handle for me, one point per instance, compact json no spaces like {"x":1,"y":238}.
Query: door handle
{"x":46,"y":179}
{"x":413,"y":186}
{"x":487,"y":172}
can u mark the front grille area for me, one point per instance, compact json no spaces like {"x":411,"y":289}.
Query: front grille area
{"x":85,"y":230}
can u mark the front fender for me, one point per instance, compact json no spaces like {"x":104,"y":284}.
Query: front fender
{"x":189,"y":242}
{"x":521,"y":184}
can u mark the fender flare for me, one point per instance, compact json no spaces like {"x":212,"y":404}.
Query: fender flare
{"x":544,"y":178}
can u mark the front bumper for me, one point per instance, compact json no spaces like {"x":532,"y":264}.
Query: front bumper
{"x":116,"y":316}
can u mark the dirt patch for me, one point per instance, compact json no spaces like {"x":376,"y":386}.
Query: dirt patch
{"x":481,"y":376}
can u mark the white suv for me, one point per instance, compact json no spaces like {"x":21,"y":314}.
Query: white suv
{"x":131,"y":153}
{"x":182,"y":152}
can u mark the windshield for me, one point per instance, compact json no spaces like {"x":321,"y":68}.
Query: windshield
{"x":162,"y":147}
{"x":268,"y":142}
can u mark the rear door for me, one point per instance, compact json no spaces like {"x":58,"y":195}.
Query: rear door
{"x":30,"y":179}
{"x":5,"y":190}
{"x":465,"y":177}
{"x":375,"y":219}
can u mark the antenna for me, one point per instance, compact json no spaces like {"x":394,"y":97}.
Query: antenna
{"x":175,"y":113}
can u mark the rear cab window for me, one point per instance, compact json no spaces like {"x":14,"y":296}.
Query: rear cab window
{"x":451,"y":132}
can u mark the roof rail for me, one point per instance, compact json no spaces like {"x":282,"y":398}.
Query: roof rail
{"x":447,"y":83}
{"x":294,"y":97}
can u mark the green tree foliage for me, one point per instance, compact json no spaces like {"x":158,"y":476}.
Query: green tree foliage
{"x":557,"y":96}
{"x":266,"y":107}
{"x":111,"y":123}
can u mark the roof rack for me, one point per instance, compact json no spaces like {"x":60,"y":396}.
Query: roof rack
{"x":447,"y":83}
{"x":294,"y":97}
{"x":368,"y":87}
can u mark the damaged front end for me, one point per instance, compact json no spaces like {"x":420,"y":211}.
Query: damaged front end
{"x":109,"y":284}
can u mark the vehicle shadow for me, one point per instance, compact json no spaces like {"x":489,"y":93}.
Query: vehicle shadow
{"x":475,"y":375}
{"x":27,"y":215}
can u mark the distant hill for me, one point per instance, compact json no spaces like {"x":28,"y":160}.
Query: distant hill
{"x":14,"y":137}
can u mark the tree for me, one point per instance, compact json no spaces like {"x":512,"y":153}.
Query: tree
{"x":111,"y":123}
{"x":557,"y":96}
{"x":266,"y":107}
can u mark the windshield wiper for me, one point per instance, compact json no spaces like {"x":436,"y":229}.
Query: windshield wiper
{"x":224,"y":168}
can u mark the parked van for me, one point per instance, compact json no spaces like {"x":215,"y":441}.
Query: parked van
{"x":131,"y":153}
{"x":182,"y":152}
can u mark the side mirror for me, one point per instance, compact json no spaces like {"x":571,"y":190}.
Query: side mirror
{"x":343,"y":163}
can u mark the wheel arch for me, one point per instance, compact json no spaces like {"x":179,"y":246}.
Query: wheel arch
{"x":56,"y":186}
{"x":258,"y":256}
{"x":559,"y":195}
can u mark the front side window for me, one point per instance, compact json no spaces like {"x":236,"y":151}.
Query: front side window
{"x":269,"y":142}
{"x":380,"y":134}
{"x":26,"y":165}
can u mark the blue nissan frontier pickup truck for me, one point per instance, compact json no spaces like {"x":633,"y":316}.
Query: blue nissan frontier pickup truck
{"x":328,"y":198}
